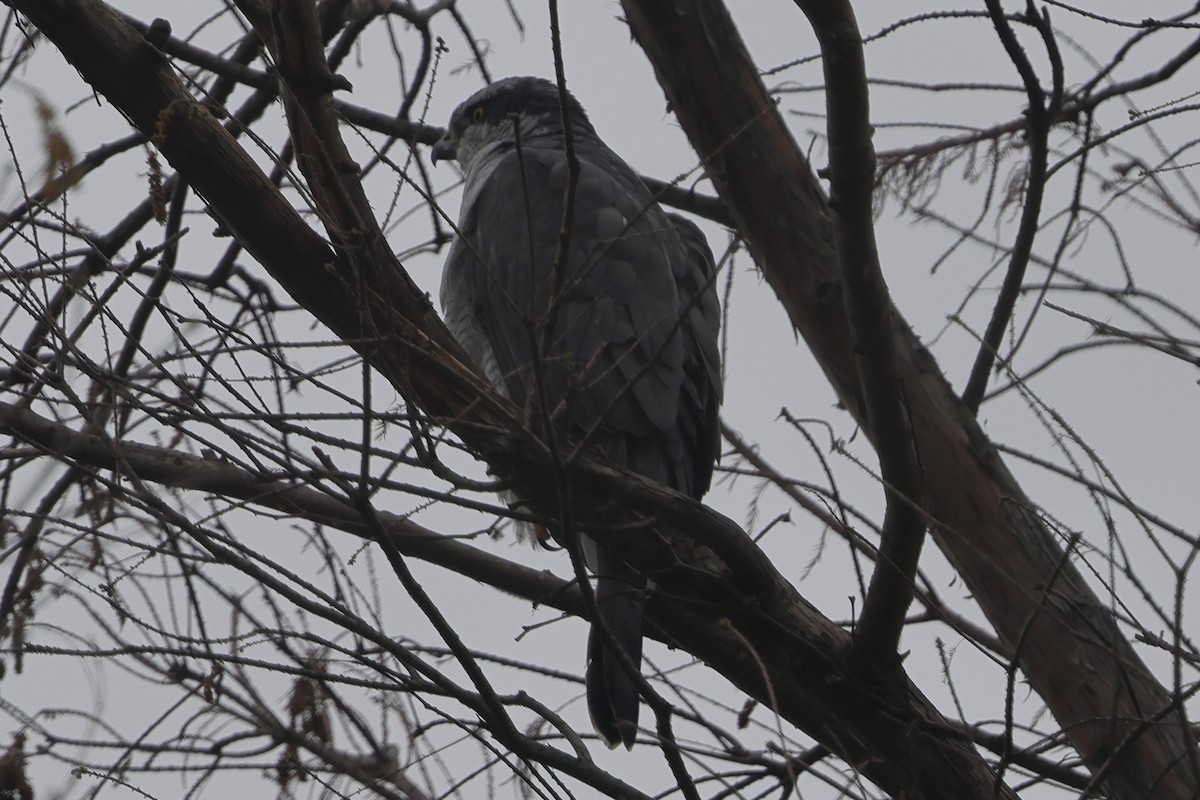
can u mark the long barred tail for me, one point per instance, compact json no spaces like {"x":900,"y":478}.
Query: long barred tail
{"x":612,"y":693}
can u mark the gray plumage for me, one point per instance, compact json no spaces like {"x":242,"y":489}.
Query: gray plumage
{"x":628,"y":349}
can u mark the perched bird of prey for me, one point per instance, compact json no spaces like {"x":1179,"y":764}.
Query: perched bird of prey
{"x":611,"y":330}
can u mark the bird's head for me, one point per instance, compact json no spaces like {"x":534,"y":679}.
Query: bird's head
{"x":487,"y":118}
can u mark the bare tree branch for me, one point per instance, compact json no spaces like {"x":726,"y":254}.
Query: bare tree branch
{"x":980,"y":516}
{"x":163,"y":513}
{"x":852,"y":167}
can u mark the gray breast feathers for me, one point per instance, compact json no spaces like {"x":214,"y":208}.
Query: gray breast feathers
{"x":626,"y":350}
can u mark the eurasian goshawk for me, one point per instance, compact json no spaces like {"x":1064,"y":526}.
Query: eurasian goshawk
{"x":621,"y":326}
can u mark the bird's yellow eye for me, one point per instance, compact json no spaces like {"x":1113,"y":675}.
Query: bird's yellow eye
{"x":477,"y":114}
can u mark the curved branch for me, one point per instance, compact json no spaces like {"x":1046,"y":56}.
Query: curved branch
{"x":1040,"y":116}
{"x":868,"y":306}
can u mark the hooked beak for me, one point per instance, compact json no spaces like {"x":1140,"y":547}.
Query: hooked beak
{"x":445,"y":149}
